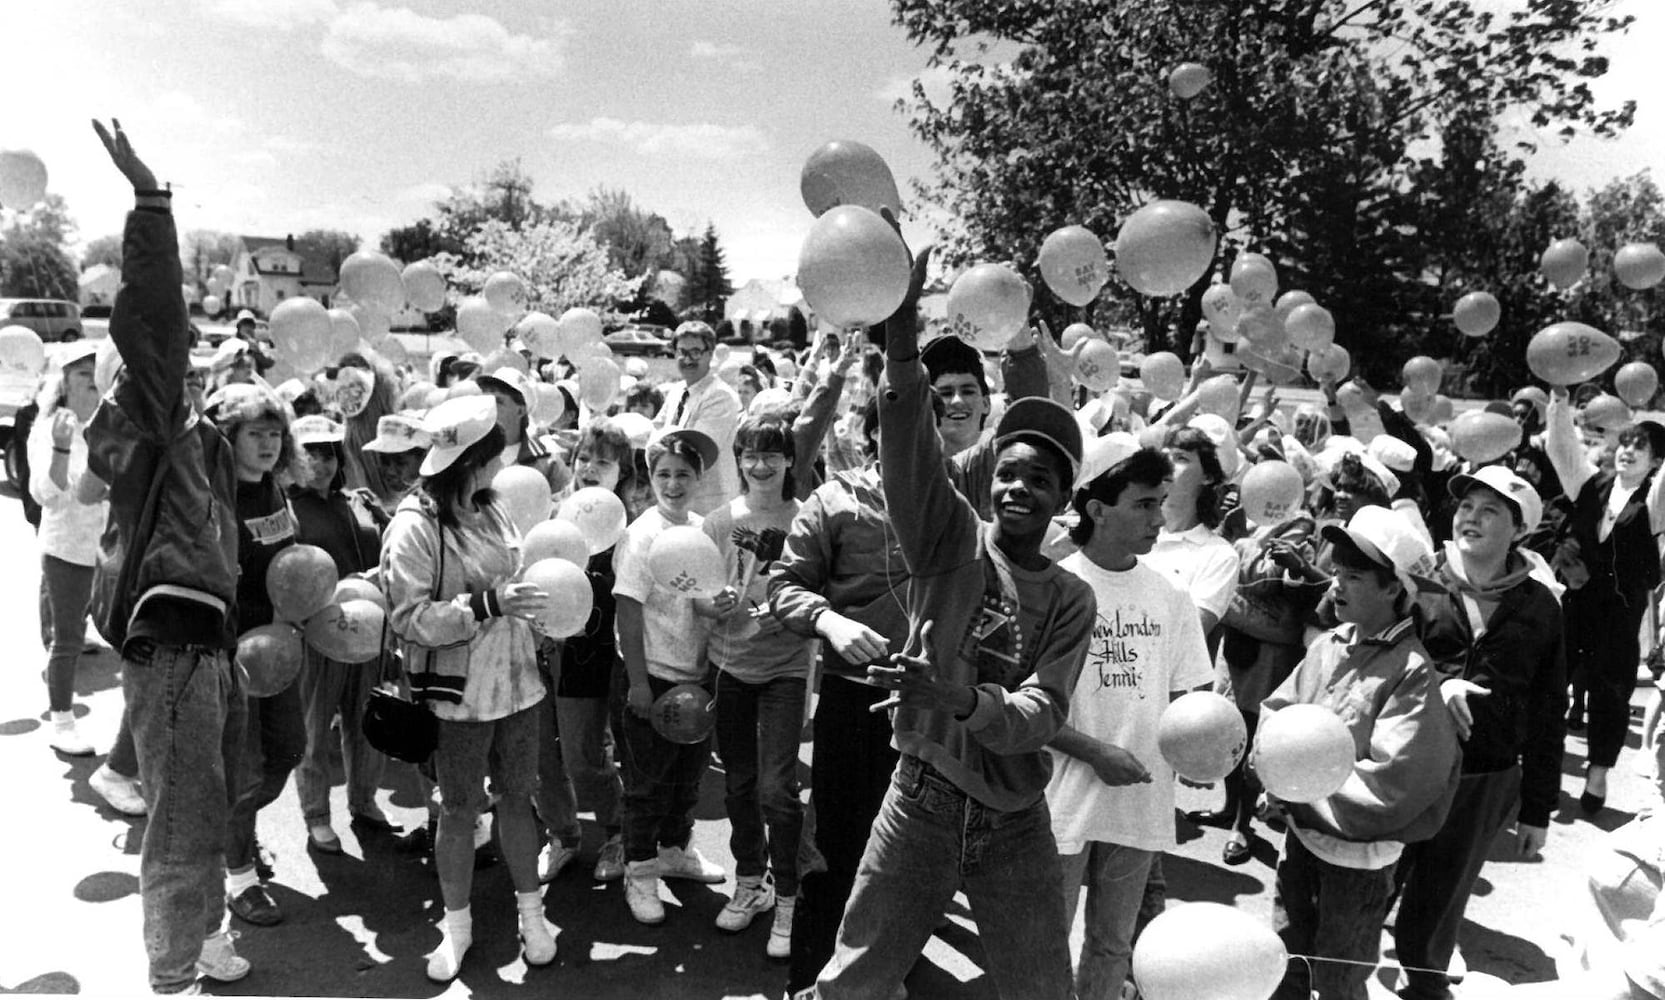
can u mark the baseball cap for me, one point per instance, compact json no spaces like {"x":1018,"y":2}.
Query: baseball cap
{"x":316,"y":429}
{"x":398,"y":432}
{"x":230,"y":351}
{"x":701,"y":442}
{"x":950,"y":354}
{"x":1039,"y":417}
{"x":1507,"y":484}
{"x":76,"y":350}
{"x":1387,"y":539}
{"x":1102,"y":454}
{"x":454,"y":426}
{"x":244,"y":315}
{"x":508,"y":379}
{"x":1392,"y":452}
{"x":1534,"y":395}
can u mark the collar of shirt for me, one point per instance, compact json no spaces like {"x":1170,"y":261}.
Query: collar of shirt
{"x":1348,"y":633}
{"x":1197,"y":534}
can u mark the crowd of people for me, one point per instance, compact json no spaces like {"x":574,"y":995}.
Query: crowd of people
{"x":978,"y":584}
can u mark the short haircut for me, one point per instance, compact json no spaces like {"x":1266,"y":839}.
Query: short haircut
{"x":766,"y":432}
{"x":604,"y":436}
{"x":1346,"y":557}
{"x":1062,"y":464}
{"x":1198,"y":443}
{"x":644,"y":392}
{"x":1645,"y":432}
{"x":1145,"y":467}
{"x":694,"y":328}
{"x":1353,"y":476}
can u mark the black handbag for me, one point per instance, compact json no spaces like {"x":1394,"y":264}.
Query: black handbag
{"x":399,"y":726}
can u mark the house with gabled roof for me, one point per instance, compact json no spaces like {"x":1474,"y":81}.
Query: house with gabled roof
{"x":266,"y":270}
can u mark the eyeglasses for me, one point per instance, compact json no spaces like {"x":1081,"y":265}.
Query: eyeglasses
{"x":691,"y":353}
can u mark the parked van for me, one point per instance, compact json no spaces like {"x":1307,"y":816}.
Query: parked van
{"x":51,"y":319}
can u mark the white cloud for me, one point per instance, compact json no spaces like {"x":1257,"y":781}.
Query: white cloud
{"x":937,"y":81}
{"x":274,"y":15}
{"x":397,"y":43}
{"x":425,"y":193}
{"x":703,"y":49}
{"x":701,"y":140}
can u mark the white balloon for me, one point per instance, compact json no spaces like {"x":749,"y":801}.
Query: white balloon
{"x":22,"y":179}
{"x":373,"y":279}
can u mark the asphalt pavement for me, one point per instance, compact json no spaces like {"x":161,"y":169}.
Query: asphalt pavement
{"x":360,"y":924}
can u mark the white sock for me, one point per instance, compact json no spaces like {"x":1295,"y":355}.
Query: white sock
{"x":236,"y":883}
{"x":460,"y":925}
{"x":63,"y":720}
{"x":529,"y":902}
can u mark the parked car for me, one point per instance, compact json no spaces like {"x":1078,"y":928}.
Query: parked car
{"x":51,"y":319}
{"x":635,"y":341}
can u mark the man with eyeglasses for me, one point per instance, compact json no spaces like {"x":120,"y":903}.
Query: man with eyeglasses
{"x":704,"y":403}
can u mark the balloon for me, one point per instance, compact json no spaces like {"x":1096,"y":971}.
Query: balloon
{"x":1165,"y":247}
{"x":555,"y":539}
{"x":988,"y":306}
{"x":571,"y":599}
{"x":1422,"y":374}
{"x":1569,"y":353}
{"x":1303,"y":753}
{"x":1636,"y":383}
{"x":1476,"y":314}
{"x":391,"y":350}
{"x":357,"y":588}
{"x":1272,"y":492}
{"x":424,"y":286}
{"x":506,"y":294}
{"x":1280,"y":367}
{"x":1330,"y":364}
{"x":1260,"y":326}
{"x":302,"y":332}
{"x":685,"y":559}
{"x":843,"y":172}
{"x":1073,"y":264}
{"x":577,"y":329}
{"x":1479,"y":436}
{"x":270,"y":658}
{"x":1606,"y":413}
{"x":1075,"y":333}
{"x":1201,"y":735}
{"x":540,"y":333}
{"x":549,"y":404}
{"x":22,"y":179}
{"x":1291,"y":300}
{"x":524,"y":493}
{"x":1163,"y":374}
{"x":721,"y":354}
{"x":344,"y":333}
{"x":1187,"y":80}
{"x":349,"y":632}
{"x":223,"y":274}
{"x":598,"y":383}
{"x":1218,"y":396}
{"x":1639,"y":265}
{"x":300,"y":580}
{"x":479,"y":324}
{"x":684,"y":714}
{"x":1310,"y":326}
{"x":1098,"y":366}
{"x":373,"y":324}
{"x":210,"y":305}
{"x":852,"y":268}
{"x":729,"y":371}
{"x":215,"y":287}
{"x":1208,"y":951}
{"x":1223,"y":310}
{"x":1443,"y":411}
{"x":1417,"y":405}
{"x":372,"y":279}
{"x":599,"y":515}
{"x":1564,"y":262}
{"x":1254,"y":280}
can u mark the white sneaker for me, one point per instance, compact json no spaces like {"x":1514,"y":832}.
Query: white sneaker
{"x":641,"y":891}
{"x":610,"y":865}
{"x":536,"y":941}
{"x":446,"y":961}
{"x":65,"y":739}
{"x":780,"y":932}
{"x":752,"y":896}
{"x":554,"y":859}
{"x":219,"y":960}
{"x":120,"y":792}
{"x":689,"y":863}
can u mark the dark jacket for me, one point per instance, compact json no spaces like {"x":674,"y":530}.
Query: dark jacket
{"x":1522,"y":661}
{"x":184,"y":588}
{"x":1628,"y":561}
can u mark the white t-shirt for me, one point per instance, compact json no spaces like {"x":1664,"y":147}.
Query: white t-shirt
{"x":1147,"y":644}
{"x":673,"y":634}
{"x":1201,"y":563}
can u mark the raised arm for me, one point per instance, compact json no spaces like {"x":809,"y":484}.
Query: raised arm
{"x":1565,"y":450}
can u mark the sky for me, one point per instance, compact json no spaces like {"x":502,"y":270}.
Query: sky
{"x":278,"y":116}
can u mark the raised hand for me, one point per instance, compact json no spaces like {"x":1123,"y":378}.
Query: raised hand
{"x":122,"y":155}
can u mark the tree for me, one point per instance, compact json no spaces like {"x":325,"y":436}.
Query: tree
{"x":331,"y":245}
{"x":420,"y":240}
{"x":202,"y":250}
{"x":561,"y":264}
{"x":34,"y":259}
{"x":638,"y":242}
{"x":708,"y":285}
{"x":104,"y":250}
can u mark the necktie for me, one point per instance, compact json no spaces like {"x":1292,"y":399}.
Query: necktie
{"x":681,"y":408}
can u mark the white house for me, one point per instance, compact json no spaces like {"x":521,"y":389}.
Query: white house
{"x":266,"y":270}
{"x":97,"y":286}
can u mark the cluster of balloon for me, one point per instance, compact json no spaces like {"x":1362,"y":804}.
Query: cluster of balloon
{"x":1076,"y":333}
{"x":1074,"y":265}
{"x":1607,"y":412}
{"x":1310,"y":326}
{"x":987,"y":306}
{"x":1564,"y":262}
{"x":844,"y":172}
{"x":1098,"y":366}
{"x":1197,"y":950}
{"x":1636,"y":383}
{"x":506,"y":294}
{"x":357,"y":588}
{"x":1219,"y":396}
{"x":1201,"y":736}
{"x":22,"y":179}
{"x":1476,"y":314}
{"x":684,"y":714}
{"x":1480,"y":436}
{"x":348,"y":632}
{"x":479,"y":325}
{"x":300,"y":580}
{"x":1330,"y":364}
{"x":1291,"y":300}
{"x":1639,"y":265}
{"x":1187,"y":80}
{"x":1260,"y":326}
{"x":1271,"y":492}
{"x":1568,"y":353}
{"x":302,"y":333}
{"x":597,"y":513}
{"x":537,"y":330}
{"x":210,"y":305}
{"x":269,"y":658}
{"x":685,"y":559}
{"x":524,"y":493}
{"x":1254,"y":280}
{"x":1302,"y":753}
{"x":1279,"y":366}
{"x":1222,"y":310}
{"x":424,"y":286}
{"x":1422,"y":374}
{"x":1165,"y":247}
{"x":853,"y":269}
{"x":1417,"y":405}
{"x":1163,"y":374}
{"x":344,"y":332}
{"x":570,"y":596}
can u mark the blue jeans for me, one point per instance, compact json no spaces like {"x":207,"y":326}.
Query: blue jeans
{"x":1327,"y":911}
{"x":758,"y":730}
{"x":661,"y":778}
{"x":67,"y":587}
{"x":1115,"y":876}
{"x":575,"y":762}
{"x":273,"y":744}
{"x":327,"y":687}
{"x":186,"y":711}
{"x":931,"y":841}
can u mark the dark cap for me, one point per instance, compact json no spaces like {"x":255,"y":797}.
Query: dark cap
{"x":950,"y":354}
{"x":1039,"y":417}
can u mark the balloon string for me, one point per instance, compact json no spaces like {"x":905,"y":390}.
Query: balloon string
{"x":1309,"y":959}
